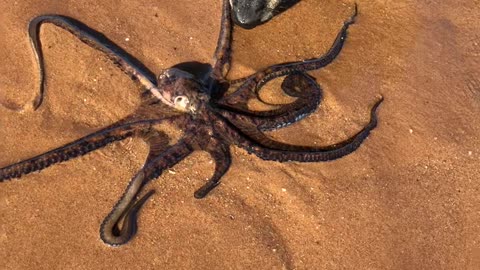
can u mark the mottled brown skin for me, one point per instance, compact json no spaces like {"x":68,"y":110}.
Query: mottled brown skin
{"x":197,"y":103}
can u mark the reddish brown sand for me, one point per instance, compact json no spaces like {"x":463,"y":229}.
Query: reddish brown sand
{"x":408,"y":198}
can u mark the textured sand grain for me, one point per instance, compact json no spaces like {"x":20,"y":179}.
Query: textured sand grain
{"x":407,"y":199}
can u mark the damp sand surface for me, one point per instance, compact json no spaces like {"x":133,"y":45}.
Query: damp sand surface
{"x":408,"y":198}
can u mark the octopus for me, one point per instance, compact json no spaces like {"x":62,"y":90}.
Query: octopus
{"x":199,"y":100}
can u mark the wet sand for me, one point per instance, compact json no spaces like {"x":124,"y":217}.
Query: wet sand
{"x":408,"y":198}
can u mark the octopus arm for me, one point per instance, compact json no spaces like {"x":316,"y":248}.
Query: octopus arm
{"x":220,"y":153}
{"x":80,"y":147}
{"x":255,"y":142}
{"x":128,"y":205}
{"x":131,"y":66}
{"x":223,"y":51}
{"x":299,"y":85}
{"x":254,"y":82}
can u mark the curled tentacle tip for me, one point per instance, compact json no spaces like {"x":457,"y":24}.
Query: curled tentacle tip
{"x":112,"y":235}
{"x":377,"y":103}
{"x":351,"y":20}
{"x":204,"y":190}
{"x":199,"y":194}
{"x":37,"y":102}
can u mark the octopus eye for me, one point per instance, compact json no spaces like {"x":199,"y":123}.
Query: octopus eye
{"x":181,"y":101}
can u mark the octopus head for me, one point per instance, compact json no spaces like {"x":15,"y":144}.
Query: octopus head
{"x":181,"y":90}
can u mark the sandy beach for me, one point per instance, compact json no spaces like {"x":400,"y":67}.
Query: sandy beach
{"x":408,"y":198}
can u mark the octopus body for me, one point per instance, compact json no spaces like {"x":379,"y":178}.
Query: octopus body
{"x":196,"y":99}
